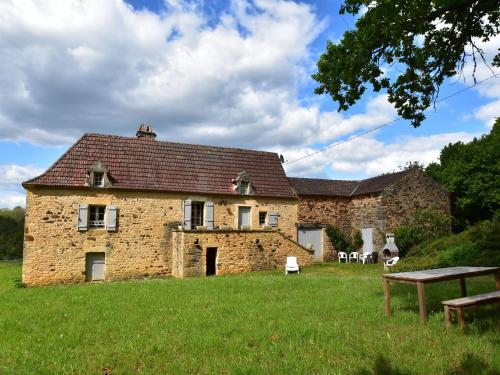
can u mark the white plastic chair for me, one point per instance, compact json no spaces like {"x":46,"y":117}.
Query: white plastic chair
{"x":291,"y":265}
{"x":391,"y":262}
{"x":342,"y":256}
{"x":365,"y":257}
{"x":354,"y":256}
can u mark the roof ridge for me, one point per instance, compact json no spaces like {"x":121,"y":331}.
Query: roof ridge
{"x":183,"y":143}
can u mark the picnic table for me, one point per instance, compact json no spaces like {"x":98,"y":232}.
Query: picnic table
{"x":420,"y":278}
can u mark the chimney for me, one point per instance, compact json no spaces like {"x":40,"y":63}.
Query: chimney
{"x":145,"y":132}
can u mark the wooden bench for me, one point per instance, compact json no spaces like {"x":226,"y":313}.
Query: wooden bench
{"x":460,"y":304}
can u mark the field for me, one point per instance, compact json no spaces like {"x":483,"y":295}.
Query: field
{"x":327,"y":320}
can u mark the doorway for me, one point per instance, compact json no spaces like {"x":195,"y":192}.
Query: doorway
{"x":243,"y":217}
{"x":211,"y":261}
{"x":311,"y":237}
{"x":94,"y":266}
{"x":367,"y":235}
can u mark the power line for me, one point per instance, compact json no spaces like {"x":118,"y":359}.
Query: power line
{"x":384,"y":124}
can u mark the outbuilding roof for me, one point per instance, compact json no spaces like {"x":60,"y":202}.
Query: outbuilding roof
{"x":343,"y":188}
{"x":144,"y":163}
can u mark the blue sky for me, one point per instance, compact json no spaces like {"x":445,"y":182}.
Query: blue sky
{"x":231,"y":73}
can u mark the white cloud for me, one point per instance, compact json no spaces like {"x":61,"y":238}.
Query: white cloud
{"x":11,"y":176}
{"x":367,"y":156}
{"x":102,"y":66}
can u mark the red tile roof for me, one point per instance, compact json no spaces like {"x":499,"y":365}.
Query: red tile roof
{"x":341,"y":188}
{"x":147,"y":164}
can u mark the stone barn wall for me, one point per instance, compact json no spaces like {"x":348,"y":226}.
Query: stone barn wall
{"x":414,"y":191}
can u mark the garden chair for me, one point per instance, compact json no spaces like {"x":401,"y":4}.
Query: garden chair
{"x":342,"y":256}
{"x":365,"y":258}
{"x":391,"y":262}
{"x":291,"y":265}
{"x":354,"y":256}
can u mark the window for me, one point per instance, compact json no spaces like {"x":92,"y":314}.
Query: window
{"x":98,"y":179}
{"x":96,"y":216}
{"x":245,"y":187}
{"x":262,"y":218}
{"x":197,"y":214}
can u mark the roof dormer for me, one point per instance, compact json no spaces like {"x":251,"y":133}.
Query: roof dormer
{"x":98,"y":176}
{"x":243,"y":184}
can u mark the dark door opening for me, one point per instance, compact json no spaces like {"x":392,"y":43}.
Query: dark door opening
{"x":211,"y":261}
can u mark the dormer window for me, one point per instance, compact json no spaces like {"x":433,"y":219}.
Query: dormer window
{"x":245,"y":187}
{"x":243,"y":184}
{"x":98,"y":179}
{"x":98,"y":176}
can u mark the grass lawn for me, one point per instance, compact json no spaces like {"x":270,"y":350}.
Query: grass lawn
{"x":327,"y":320}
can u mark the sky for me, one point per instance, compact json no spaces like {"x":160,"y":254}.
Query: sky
{"x":233,"y":73}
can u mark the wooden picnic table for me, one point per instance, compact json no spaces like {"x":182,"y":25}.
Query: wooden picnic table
{"x":420,"y":278}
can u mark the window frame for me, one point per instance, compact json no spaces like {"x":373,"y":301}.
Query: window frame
{"x":264,"y":223}
{"x":93,"y":212}
{"x":100,"y":176}
{"x":197,"y":212}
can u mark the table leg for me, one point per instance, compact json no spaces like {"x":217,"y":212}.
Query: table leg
{"x":421,"y":301}
{"x":387,"y":298}
{"x":463,"y":289}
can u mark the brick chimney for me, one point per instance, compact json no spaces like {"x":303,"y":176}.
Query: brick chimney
{"x":145,"y":132}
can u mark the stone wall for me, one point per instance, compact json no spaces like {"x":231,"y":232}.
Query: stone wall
{"x":414,"y":191}
{"x":54,"y":250}
{"x":237,"y":251}
{"x":383,"y":212}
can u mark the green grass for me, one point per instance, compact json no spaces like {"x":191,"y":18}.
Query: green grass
{"x":327,"y":320}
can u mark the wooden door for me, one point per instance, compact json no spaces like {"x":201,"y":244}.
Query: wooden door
{"x":95,"y":263}
{"x":243,"y":217}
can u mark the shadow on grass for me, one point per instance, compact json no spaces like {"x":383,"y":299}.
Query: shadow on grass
{"x":470,"y":364}
{"x":382,"y":366}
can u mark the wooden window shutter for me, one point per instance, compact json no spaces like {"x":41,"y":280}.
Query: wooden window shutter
{"x":209,"y":215}
{"x":272,"y":219}
{"x":83,"y":217}
{"x":187,"y":214}
{"x":111,"y":215}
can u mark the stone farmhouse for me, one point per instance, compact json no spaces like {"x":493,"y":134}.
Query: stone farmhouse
{"x":116,"y":208}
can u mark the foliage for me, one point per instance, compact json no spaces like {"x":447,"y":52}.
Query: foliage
{"x":338,"y":240}
{"x":471,"y":172}
{"x":476,"y":246}
{"x":425,"y":223}
{"x":11,"y":233}
{"x":357,"y":239}
{"x":426,"y":41}
{"x":258,"y":323}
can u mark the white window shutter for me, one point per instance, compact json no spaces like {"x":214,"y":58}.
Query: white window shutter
{"x":83,"y":217}
{"x":209,"y":215}
{"x":272,"y":218}
{"x":187,"y":214}
{"x":111,"y":212}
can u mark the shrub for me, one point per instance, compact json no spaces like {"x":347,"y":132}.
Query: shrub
{"x":427,"y":223}
{"x":476,"y":246}
{"x":357,"y":239}
{"x":338,"y":239}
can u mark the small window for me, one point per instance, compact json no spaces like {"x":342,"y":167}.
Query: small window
{"x":245,"y":187}
{"x":98,"y":179}
{"x":96,"y":216}
{"x":262,"y":218}
{"x":197,"y":214}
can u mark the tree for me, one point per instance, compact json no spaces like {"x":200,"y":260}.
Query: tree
{"x":471,"y":172}
{"x":428,"y":39}
{"x":11,"y":233}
